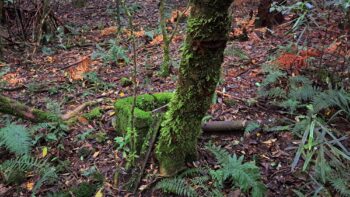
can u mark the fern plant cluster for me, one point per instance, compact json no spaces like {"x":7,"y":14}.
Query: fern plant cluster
{"x":320,"y":151}
{"x":233,"y":174}
{"x":299,"y":92}
{"x":17,"y":140}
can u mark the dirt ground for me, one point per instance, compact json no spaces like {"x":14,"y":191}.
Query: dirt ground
{"x":46,"y":78}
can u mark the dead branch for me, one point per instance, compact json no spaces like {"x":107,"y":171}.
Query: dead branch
{"x":75,"y":63}
{"x":80,"y":108}
{"x":229,"y":96}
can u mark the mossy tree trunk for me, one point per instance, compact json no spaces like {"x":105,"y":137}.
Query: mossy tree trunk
{"x":165,"y":67}
{"x":202,"y":56}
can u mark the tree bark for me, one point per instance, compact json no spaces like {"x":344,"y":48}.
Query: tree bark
{"x":1,"y":11}
{"x":202,"y":55}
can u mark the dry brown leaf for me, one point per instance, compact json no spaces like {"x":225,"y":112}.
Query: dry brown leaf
{"x":12,"y":78}
{"x":50,"y":59}
{"x":30,"y":185}
{"x":177,"y":39}
{"x":157,"y":40}
{"x":137,"y":34}
{"x":83,"y":120}
{"x":77,"y":72}
{"x":109,"y":31}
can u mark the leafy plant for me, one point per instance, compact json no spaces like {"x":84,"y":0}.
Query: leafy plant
{"x":13,"y":171}
{"x":16,"y":139}
{"x":115,"y":53}
{"x":97,"y":82}
{"x":233,"y":172}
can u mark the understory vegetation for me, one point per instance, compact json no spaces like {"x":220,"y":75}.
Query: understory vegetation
{"x":92,"y":98}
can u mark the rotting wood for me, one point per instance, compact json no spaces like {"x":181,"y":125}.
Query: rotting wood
{"x":15,"y":108}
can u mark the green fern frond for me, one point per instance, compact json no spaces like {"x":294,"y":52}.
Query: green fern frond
{"x":302,"y":93}
{"x":10,"y":169}
{"x":276,"y":92}
{"x":177,"y":186}
{"x":200,"y":180}
{"x":246,"y":175}
{"x":16,"y":139}
{"x":290,"y":104}
{"x":341,"y":185}
{"x":272,"y":77}
{"x":191,"y":172}
{"x":300,"y":80}
{"x":332,"y":98}
{"x":221,"y":155}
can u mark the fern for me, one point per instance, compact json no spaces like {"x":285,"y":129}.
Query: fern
{"x":272,"y":77}
{"x":192,"y":172}
{"x":302,"y":93}
{"x":276,"y":92}
{"x":290,"y":104}
{"x":341,"y":185}
{"x":300,"y":80}
{"x":246,"y":176}
{"x":11,"y":168}
{"x":177,"y":186}
{"x":333,"y":98}
{"x":16,"y":139}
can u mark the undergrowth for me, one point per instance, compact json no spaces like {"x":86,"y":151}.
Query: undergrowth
{"x":233,"y":174}
{"x":315,"y":108}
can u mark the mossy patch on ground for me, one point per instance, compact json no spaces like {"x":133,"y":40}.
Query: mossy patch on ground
{"x":93,"y":114}
{"x":143,"y":113}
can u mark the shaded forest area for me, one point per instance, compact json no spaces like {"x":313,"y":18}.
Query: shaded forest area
{"x":174,"y":98}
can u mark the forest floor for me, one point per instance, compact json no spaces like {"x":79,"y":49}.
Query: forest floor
{"x":53,"y":76}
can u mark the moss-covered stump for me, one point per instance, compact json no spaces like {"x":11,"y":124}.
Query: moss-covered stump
{"x":143,"y":114}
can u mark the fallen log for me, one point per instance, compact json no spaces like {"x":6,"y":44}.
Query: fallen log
{"x":236,"y":127}
{"x":15,"y":108}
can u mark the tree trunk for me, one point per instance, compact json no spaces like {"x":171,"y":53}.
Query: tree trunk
{"x":165,"y":66}
{"x":202,"y":56}
{"x":265,"y":18}
{"x":1,"y":11}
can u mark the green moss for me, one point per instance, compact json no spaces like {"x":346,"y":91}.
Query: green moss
{"x":99,"y":137}
{"x":42,"y":116}
{"x":142,"y":113}
{"x":84,"y":190}
{"x":124,"y":82}
{"x":93,"y":114}
{"x":202,"y":55}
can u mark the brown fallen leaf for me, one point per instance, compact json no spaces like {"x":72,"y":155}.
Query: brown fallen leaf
{"x":77,"y":72}
{"x":83,"y":120}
